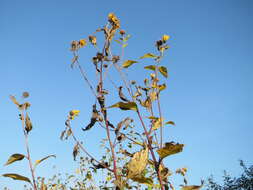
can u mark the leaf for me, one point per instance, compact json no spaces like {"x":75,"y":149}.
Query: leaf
{"x":150,"y":67}
{"x":161,"y":87}
{"x":163,"y":71}
{"x":118,"y":41}
{"x":37,"y":162}
{"x":191,"y":187}
{"x":124,"y":45}
{"x":125,"y":106}
{"x":14,"y":158}
{"x":169,"y":149}
{"x":157,"y":124}
{"x":128,"y":63}
{"x":170,"y":123}
{"x":13,"y":99}
{"x":137,"y":164}
{"x":144,"y":180}
{"x":148,"y":55}
{"x":17,"y":177}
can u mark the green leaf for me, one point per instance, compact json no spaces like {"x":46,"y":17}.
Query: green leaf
{"x":125,"y":106}
{"x":169,"y":149}
{"x":37,"y":162}
{"x":170,"y":123}
{"x":148,"y":55}
{"x":124,"y":45}
{"x":119,"y":42}
{"x":150,"y":67}
{"x":163,"y":71}
{"x":17,"y":177}
{"x":128,"y":63}
{"x":127,"y":38}
{"x":14,"y":158}
{"x":143,"y":179}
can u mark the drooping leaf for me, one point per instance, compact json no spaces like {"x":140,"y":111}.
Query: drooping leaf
{"x":148,"y":55}
{"x":137,"y":164}
{"x":128,"y":63}
{"x":94,"y":118}
{"x":14,"y":158}
{"x":170,"y":123}
{"x":125,"y":106}
{"x":144,"y":180}
{"x":37,"y":162}
{"x":150,"y":67}
{"x":163,"y":71}
{"x":28,"y":124}
{"x":75,"y":151}
{"x":17,"y":177}
{"x":169,"y":149}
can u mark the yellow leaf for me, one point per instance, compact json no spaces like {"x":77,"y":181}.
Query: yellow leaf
{"x":170,"y":123}
{"x":153,"y":96}
{"x":163,"y":71}
{"x":128,"y":63}
{"x":169,"y":149}
{"x":148,"y":55}
{"x":161,"y":87}
{"x":150,"y":67}
{"x":37,"y":162}
{"x":157,"y":124}
{"x":14,"y":158}
{"x":137,"y":164}
{"x":17,"y":177}
{"x":125,"y":106}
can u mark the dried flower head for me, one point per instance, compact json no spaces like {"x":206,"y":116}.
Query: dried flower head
{"x":25,"y":95}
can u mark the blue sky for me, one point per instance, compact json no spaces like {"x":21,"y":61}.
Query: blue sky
{"x":209,"y":93}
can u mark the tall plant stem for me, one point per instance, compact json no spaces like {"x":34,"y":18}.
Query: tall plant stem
{"x":151,"y":150}
{"x":28,"y":151}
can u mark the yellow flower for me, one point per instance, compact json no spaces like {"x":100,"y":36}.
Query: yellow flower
{"x":73,"y":113}
{"x":165,"y":37}
{"x":110,"y":16}
{"x":82,"y":42}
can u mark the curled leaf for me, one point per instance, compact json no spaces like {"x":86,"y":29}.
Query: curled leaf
{"x":121,"y":95}
{"x":193,"y":187}
{"x":94,"y":118}
{"x":75,"y":151}
{"x":170,"y":123}
{"x":28,"y":124}
{"x":17,"y":177}
{"x":125,"y":106}
{"x":128,"y":63}
{"x":169,"y":149}
{"x":148,"y":55}
{"x":163,"y":71}
{"x":14,"y":158}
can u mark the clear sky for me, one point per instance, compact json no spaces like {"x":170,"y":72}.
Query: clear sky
{"x":209,"y":93}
